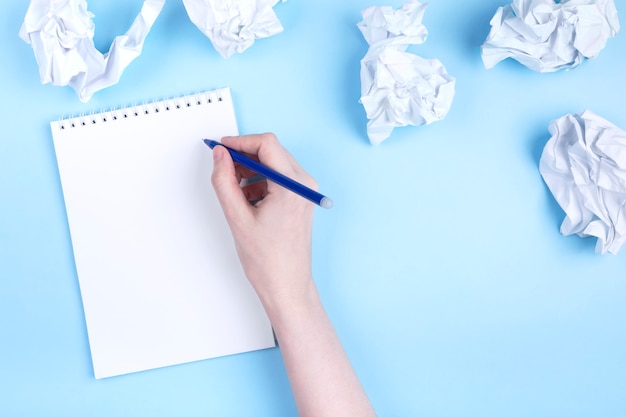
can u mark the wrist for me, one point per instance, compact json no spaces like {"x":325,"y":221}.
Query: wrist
{"x":288,"y":309}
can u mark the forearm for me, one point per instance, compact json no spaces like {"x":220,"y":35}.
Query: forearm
{"x":273,"y":240}
{"x":322,"y":378}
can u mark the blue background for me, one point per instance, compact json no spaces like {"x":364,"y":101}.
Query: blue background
{"x":441,"y":264}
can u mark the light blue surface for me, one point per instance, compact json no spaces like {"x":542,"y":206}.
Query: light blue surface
{"x":441,"y":263}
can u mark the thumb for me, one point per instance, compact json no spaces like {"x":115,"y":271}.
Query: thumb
{"x":224,"y":179}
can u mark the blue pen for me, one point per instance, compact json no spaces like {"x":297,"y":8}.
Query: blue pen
{"x":274,"y":176}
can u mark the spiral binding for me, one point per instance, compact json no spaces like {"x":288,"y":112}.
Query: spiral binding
{"x":138,"y":110}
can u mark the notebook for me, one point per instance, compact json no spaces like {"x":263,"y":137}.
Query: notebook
{"x":159,"y":277}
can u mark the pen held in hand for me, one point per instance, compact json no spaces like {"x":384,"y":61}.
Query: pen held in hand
{"x":274,"y":176}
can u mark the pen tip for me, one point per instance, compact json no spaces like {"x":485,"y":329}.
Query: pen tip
{"x":210,"y":143}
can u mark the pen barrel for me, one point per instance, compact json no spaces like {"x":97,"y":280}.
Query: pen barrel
{"x":274,"y":176}
{"x":278,"y":178}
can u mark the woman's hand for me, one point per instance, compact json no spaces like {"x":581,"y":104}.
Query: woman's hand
{"x":273,"y":235}
{"x":272,"y":231}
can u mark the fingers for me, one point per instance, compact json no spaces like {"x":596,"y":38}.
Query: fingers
{"x":255,"y":191}
{"x":264,"y":147}
{"x":226,"y":184}
{"x":268,"y":150}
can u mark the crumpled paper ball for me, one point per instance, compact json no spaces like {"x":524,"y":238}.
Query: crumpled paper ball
{"x":547,"y":36}
{"x":381,"y":23}
{"x":403,"y":89}
{"x":61,"y":34}
{"x":57,"y":30}
{"x":233,"y":26}
{"x":584,"y":166}
{"x":399,"y":88}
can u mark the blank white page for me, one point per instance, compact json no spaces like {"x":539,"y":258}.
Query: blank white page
{"x":160,"y":280}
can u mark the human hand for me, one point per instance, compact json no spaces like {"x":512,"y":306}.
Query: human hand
{"x":273,"y":236}
{"x":273,"y":240}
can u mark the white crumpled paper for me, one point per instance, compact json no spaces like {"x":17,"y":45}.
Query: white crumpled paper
{"x":584,"y":165}
{"x":233,"y":26}
{"x":547,"y":36}
{"x":399,"y":88}
{"x":61,"y":34}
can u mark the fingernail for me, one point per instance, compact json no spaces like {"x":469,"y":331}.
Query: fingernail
{"x":217,"y":153}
